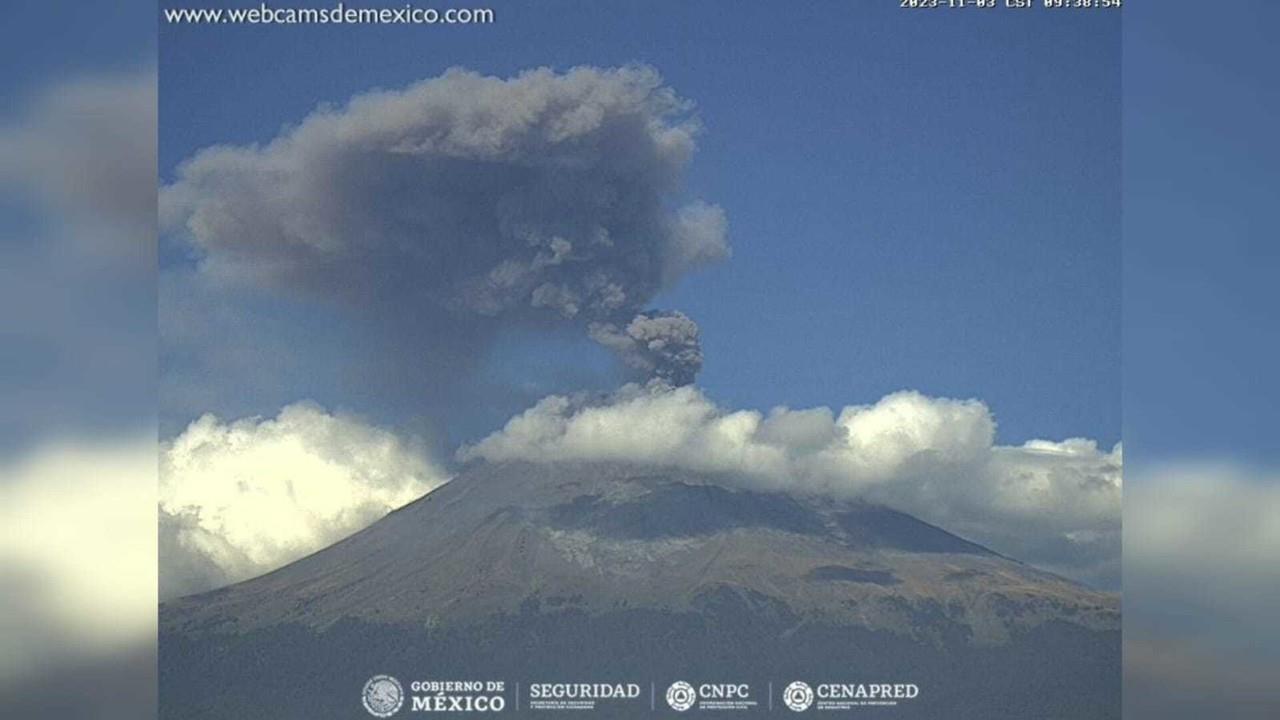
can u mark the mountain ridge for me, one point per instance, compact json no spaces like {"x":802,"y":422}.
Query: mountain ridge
{"x":591,"y":529}
{"x":606,"y":570}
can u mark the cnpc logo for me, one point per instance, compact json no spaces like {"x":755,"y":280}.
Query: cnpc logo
{"x":724,"y":691}
{"x":681,"y":695}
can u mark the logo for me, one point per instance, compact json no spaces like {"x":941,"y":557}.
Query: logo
{"x":382,"y":696}
{"x":681,"y":696}
{"x":798,"y":696}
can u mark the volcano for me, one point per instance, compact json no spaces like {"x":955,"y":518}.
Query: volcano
{"x":613,"y":573}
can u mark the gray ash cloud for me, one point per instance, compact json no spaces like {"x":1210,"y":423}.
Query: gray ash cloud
{"x":663,"y":345}
{"x":463,"y":204}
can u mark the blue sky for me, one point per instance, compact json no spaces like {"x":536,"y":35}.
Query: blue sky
{"x":927,"y":202}
{"x":1200,"y":251}
{"x":122,"y":39}
{"x":1200,"y":345}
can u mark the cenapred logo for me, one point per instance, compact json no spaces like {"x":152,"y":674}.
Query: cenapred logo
{"x":681,"y":696}
{"x":798,"y":696}
{"x":382,"y":696}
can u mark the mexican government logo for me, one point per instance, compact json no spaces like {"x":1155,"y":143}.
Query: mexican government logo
{"x":680,"y":696}
{"x":798,"y":696}
{"x":382,"y":696}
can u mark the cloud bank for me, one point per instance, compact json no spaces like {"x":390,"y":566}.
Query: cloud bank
{"x":1219,"y":523}
{"x":463,"y":204}
{"x":1054,"y":504}
{"x":1201,"y":542}
{"x":238,"y":499}
{"x":77,"y":552}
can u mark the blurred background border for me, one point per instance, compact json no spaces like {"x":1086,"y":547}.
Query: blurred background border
{"x":77,"y":359}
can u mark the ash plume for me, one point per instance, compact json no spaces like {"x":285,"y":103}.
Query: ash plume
{"x":464,"y":204}
{"x":662,"y":345}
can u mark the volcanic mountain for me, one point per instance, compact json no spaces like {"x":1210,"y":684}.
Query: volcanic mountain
{"x":580,"y":572}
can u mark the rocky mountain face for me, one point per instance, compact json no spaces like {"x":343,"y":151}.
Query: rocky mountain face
{"x":616,"y":573}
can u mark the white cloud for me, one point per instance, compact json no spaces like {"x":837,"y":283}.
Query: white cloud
{"x":238,"y":499}
{"x":1218,"y":519}
{"x":1207,"y":537}
{"x":1201,"y":582}
{"x":77,"y":552}
{"x":1055,"y":504}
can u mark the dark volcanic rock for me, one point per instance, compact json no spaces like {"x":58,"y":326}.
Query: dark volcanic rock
{"x":582,"y":572}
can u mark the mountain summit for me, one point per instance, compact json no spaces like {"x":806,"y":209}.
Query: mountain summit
{"x":609,"y":572}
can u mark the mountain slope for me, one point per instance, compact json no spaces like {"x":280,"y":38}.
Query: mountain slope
{"x":613,"y":572}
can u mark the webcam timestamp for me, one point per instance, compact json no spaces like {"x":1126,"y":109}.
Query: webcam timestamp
{"x":1013,"y":4}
